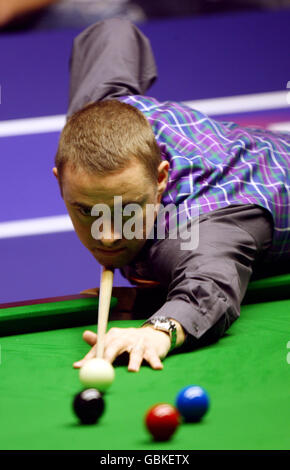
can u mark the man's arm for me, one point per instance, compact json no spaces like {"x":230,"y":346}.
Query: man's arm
{"x":111,"y":58}
{"x":206,"y":285}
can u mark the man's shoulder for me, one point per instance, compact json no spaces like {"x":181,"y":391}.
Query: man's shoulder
{"x":147,"y":103}
{"x":142,"y":102}
{"x":170,"y":111}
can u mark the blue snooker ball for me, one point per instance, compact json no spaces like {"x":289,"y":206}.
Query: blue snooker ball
{"x":192,"y":403}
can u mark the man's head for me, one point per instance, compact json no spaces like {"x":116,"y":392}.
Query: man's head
{"x":108,"y":149}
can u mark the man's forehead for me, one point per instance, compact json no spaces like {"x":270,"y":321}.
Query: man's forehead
{"x":89,"y":176}
{"x":80,"y":187}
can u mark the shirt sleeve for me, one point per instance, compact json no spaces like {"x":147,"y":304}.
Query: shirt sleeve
{"x":206,"y":285}
{"x":109,"y":59}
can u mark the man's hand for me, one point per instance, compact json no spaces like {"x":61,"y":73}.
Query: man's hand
{"x":140,"y":343}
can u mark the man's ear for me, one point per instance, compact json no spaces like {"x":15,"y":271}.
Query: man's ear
{"x":55,"y":172}
{"x":162,"y":176}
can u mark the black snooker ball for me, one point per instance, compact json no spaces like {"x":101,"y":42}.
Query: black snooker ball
{"x":89,"y":405}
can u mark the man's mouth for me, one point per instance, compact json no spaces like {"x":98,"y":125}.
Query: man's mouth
{"x":110,"y":252}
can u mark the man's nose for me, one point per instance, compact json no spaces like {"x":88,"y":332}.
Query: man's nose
{"x":110,"y":237}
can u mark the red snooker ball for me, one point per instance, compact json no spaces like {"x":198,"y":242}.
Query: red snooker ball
{"x":162,"y":420}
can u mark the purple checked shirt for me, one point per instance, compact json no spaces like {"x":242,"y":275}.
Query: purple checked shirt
{"x":215,"y":164}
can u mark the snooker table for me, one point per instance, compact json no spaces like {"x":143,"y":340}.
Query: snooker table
{"x":246,"y":374}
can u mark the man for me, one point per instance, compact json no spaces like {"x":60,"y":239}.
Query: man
{"x":119,"y":143}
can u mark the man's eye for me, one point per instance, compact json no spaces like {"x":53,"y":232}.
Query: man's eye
{"x":84,"y":211}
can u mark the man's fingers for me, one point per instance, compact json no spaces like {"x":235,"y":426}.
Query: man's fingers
{"x":91,"y":354}
{"x":140,"y":344}
{"x":90,"y":337}
{"x":136,"y":357}
{"x":153,"y":359}
{"x":113,"y":351}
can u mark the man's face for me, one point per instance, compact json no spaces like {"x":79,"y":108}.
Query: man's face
{"x":82,"y":191}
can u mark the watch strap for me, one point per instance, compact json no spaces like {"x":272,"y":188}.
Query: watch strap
{"x":164,"y":324}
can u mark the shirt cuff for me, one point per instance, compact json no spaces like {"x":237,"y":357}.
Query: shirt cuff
{"x":187,"y":315}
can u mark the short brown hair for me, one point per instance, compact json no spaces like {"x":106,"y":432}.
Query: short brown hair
{"x":104,"y":136}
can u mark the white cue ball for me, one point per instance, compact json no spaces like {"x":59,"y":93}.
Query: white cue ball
{"x":97,"y":373}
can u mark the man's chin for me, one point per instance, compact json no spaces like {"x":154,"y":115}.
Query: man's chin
{"x":112,"y":264}
{"x":111,"y":261}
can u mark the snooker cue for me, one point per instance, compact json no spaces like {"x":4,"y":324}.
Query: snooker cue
{"x":106,"y":286}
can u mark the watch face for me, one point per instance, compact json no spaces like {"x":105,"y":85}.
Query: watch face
{"x":163,"y":323}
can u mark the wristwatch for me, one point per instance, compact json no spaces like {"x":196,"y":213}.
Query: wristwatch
{"x":166,"y":325}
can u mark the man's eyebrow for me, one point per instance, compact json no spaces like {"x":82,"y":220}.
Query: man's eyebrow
{"x":124,"y":203}
{"x":80,"y":204}
{"x":137,"y":201}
